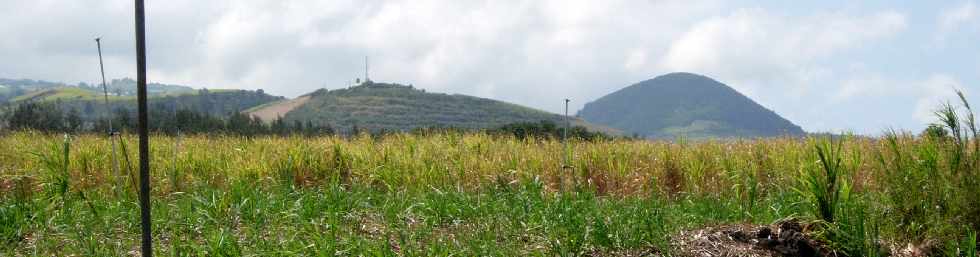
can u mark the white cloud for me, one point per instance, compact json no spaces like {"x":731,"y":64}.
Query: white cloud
{"x":517,"y":50}
{"x":783,"y":62}
{"x":636,"y":60}
{"x":871,"y":85}
{"x":933,"y":92}
{"x":952,"y":19}
{"x":754,"y":45}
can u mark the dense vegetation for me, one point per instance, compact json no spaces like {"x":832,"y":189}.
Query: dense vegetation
{"x":393,"y":107}
{"x":484,"y":194}
{"x":548,"y":130}
{"x":686,"y":105}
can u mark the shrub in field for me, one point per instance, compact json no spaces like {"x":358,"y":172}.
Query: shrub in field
{"x":929,"y":183}
{"x":964,"y":162}
{"x":673,"y":178}
{"x":823,"y":185}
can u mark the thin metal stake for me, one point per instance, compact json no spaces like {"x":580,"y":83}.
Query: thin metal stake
{"x":144,"y":135}
{"x":566,"y":165}
{"x":108,"y":114}
{"x":565,"y":135}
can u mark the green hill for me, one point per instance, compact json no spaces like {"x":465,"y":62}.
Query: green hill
{"x":686,"y":105}
{"x":377,"y":106}
{"x":127,"y":87}
{"x":89,"y":100}
{"x":57,"y":93}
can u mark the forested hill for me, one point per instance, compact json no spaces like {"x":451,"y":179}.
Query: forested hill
{"x":383,"y":106}
{"x":686,"y":105}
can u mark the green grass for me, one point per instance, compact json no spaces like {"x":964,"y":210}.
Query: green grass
{"x":474,"y":194}
{"x":63,"y":93}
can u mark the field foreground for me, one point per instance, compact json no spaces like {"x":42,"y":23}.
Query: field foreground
{"x":474,"y":194}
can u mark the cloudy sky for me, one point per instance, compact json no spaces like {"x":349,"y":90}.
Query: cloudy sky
{"x":828,"y":66}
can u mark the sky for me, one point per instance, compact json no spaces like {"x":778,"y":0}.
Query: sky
{"x":828,"y":66}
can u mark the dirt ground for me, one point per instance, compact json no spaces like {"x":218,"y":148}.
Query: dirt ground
{"x":273,"y":111}
{"x":785,"y":238}
{"x":788,"y":238}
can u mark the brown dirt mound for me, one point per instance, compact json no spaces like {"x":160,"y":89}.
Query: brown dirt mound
{"x":785,"y":238}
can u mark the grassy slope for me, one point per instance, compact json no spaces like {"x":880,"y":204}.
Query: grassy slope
{"x":63,"y":93}
{"x":79,"y":94}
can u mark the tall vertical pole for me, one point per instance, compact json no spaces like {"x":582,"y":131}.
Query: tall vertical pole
{"x":565,"y":133}
{"x":366,"y":65}
{"x":566,"y":165}
{"x":144,"y":137}
{"x":108,"y":116}
{"x":105,"y":88}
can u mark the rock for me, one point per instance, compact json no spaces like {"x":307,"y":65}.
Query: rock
{"x":764,"y":233}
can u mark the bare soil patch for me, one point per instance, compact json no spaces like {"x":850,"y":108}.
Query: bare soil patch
{"x":273,"y":111}
{"x":785,"y":238}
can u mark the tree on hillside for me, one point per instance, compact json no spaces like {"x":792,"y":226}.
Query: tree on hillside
{"x":73,"y":122}
{"x":123,"y":119}
{"x":31,"y":115}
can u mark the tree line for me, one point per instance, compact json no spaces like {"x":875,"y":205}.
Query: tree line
{"x":51,"y":117}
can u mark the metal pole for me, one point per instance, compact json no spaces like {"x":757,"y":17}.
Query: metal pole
{"x":144,"y":148}
{"x":108,"y":112}
{"x":565,"y":134}
{"x":175,"y":183}
{"x":564,"y":140}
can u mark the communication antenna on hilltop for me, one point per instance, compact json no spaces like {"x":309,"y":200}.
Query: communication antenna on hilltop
{"x":366,"y":66}
{"x":565,"y":134}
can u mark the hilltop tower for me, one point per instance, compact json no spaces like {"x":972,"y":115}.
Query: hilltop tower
{"x":366,"y":68}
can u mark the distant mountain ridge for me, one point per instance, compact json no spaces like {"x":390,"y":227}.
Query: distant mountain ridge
{"x":117,"y":87}
{"x":686,"y":105}
{"x":669,"y":106}
{"x":89,"y":100}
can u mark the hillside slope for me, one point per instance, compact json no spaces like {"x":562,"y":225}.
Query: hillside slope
{"x":377,"y":106}
{"x":686,"y":105}
{"x":21,"y":89}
